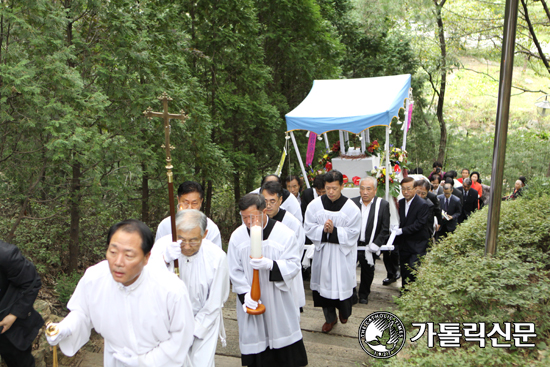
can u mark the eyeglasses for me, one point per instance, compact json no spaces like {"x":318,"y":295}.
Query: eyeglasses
{"x":407,"y":188}
{"x":271,"y":202}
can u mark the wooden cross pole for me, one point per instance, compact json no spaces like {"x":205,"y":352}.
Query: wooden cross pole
{"x":168,"y":148}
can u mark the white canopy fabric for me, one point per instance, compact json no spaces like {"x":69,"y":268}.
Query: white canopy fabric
{"x":350,"y":104}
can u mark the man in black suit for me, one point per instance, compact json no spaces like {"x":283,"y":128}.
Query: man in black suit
{"x":373,"y":209}
{"x":456,"y":192}
{"x":412,"y":236}
{"x":453,"y":207}
{"x":20,"y":323}
{"x":422,"y":188}
{"x":314,"y":192}
{"x":470,"y":201}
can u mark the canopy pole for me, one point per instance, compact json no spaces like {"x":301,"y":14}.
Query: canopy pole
{"x":299,"y":158}
{"x":326,"y":141}
{"x":342,"y":142}
{"x":388,"y":164}
{"x":363,"y":142}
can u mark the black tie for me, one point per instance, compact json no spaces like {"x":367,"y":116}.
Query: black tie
{"x":446,"y":204}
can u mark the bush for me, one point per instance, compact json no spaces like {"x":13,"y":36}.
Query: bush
{"x":457,"y":283}
{"x":66,"y":285}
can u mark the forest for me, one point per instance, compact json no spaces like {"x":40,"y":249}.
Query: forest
{"x":77,"y":154}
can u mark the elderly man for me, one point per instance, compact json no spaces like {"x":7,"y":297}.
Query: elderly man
{"x":452,"y":208}
{"x":375,"y":230}
{"x":19,"y":321}
{"x":144,"y":315}
{"x":333,"y":223}
{"x":412,"y":234}
{"x":422,"y":188}
{"x":273,"y":194}
{"x":273,"y":338}
{"x":470,"y":200}
{"x":190,"y":196}
{"x":203,"y":269}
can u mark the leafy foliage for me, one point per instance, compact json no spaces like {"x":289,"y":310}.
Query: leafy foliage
{"x":457,"y":283}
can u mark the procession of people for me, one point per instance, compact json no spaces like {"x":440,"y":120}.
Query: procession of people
{"x":158,"y":302}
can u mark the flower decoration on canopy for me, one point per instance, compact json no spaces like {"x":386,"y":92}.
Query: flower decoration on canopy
{"x":380,"y":174}
{"x":356,"y":180}
{"x":373,"y":149}
{"x":324,"y":164}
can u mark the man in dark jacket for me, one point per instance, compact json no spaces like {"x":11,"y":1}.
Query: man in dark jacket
{"x":412,"y":235}
{"x":452,"y":206}
{"x":369,"y":206}
{"x":470,"y":200}
{"x":20,"y":323}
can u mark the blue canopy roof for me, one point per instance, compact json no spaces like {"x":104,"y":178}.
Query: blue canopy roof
{"x":350,"y":104}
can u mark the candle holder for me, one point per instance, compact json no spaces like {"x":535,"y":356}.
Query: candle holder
{"x":256,"y":238}
{"x":53,"y":330}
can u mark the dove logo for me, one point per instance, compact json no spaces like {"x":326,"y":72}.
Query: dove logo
{"x":382,"y":335}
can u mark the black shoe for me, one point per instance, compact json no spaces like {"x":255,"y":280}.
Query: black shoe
{"x":301,"y":309}
{"x":389,"y":281}
{"x":364,"y":301}
{"x":398,"y":276}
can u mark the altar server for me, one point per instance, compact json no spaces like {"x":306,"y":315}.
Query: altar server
{"x":333,"y":223}
{"x":203,"y":269}
{"x":273,"y":192}
{"x":273,"y":338}
{"x":144,"y":316}
{"x":290,"y":203}
{"x":190,"y":196}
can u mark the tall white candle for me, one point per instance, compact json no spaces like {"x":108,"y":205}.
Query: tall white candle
{"x":256,"y":242}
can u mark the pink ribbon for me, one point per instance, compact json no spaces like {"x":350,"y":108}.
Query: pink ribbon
{"x":311,"y":148}
{"x":410,"y":115}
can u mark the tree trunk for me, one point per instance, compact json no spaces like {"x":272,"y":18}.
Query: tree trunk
{"x":144,"y":194}
{"x":442,"y":83}
{"x":548,"y":172}
{"x":23,"y":208}
{"x":208,"y":204}
{"x":75,"y":217}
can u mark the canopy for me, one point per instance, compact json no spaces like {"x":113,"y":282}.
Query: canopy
{"x":350,"y":104}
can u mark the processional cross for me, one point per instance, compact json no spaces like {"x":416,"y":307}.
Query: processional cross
{"x":168,"y":148}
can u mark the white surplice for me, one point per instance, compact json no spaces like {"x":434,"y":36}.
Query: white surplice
{"x":213,"y":234}
{"x":333,"y":272}
{"x":152,"y":317}
{"x":296,"y":226}
{"x":206,"y":276}
{"x":279,"y":326}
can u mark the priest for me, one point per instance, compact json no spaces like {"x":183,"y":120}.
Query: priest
{"x":203,"y":269}
{"x":144,"y":316}
{"x":273,"y":338}
{"x":273,"y":194}
{"x":333,"y":223}
{"x":190,"y":196}
{"x":290,"y":203}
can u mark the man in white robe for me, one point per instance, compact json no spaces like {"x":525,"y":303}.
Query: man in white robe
{"x":273,"y":194}
{"x":190,"y":196}
{"x":203,"y":269}
{"x":333,"y":223}
{"x":273,"y":338}
{"x":290,"y":203}
{"x":144,"y":316}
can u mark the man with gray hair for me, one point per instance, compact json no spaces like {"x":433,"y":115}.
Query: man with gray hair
{"x":375,"y":231}
{"x":203,"y":268}
{"x":470,"y":199}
